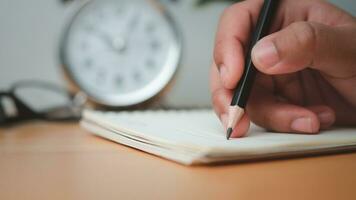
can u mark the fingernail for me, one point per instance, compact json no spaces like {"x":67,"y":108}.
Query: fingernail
{"x":326,"y":117}
{"x":265,"y":53}
{"x":223,"y":72}
{"x":224,"y":118}
{"x":302,"y":125}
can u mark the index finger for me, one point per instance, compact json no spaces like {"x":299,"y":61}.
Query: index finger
{"x":232,"y":39}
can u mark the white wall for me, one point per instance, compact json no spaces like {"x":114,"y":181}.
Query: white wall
{"x":30,"y":30}
{"x":28,"y":40}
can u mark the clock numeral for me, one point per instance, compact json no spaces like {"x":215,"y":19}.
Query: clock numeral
{"x":150,"y":28}
{"x":84,"y":45}
{"x":137,"y":77}
{"x":134,"y":22}
{"x":100,"y":77}
{"x":88,"y":63}
{"x":150,"y":64}
{"x":101,"y":15}
{"x":119,"y":10}
{"x":155,"y":45}
{"x":88,"y":28}
{"x":119,"y":81}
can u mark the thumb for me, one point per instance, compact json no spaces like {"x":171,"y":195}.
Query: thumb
{"x":331,"y":50}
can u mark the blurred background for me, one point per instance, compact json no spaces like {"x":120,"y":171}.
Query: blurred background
{"x":30,"y":33}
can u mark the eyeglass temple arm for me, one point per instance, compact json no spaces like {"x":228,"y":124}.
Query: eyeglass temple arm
{"x":23,"y":112}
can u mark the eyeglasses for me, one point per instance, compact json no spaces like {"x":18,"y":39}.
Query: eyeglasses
{"x":37,"y":100}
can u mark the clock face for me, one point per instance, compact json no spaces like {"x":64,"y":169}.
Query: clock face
{"x":121,"y":52}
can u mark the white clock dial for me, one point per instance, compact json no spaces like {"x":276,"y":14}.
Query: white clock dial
{"x":121,"y":52}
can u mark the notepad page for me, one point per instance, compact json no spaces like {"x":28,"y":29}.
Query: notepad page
{"x":198,"y":132}
{"x":173,"y":128}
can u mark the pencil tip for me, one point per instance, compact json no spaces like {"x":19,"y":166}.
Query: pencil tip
{"x":228,"y":133}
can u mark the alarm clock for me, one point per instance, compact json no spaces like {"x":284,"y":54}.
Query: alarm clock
{"x":121,"y":53}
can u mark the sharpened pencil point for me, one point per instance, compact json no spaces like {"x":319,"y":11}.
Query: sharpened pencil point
{"x":228,"y":133}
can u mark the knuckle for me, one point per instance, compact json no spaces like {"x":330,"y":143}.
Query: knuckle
{"x":266,"y":121}
{"x":233,"y":8}
{"x":217,"y":54}
{"x":226,"y":12}
{"x":216,"y":96}
{"x":305,"y":34}
{"x":230,"y":10}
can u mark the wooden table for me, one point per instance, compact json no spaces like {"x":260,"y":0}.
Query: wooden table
{"x":62,"y":161}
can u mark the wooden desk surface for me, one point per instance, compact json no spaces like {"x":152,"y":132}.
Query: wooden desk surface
{"x":62,"y":161}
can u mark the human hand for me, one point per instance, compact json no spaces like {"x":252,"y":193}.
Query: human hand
{"x":308,"y":67}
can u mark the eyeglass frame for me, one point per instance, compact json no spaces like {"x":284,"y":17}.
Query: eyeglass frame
{"x":25,"y":113}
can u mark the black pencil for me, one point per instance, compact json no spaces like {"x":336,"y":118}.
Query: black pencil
{"x":244,"y":86}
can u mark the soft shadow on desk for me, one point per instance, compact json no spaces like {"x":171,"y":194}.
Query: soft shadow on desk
{"x":30,"y":122}
{"x":250,"y":160}
{"x":276,"y":158}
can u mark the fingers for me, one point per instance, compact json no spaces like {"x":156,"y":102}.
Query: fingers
{"x":290,"y":87}
{"x":220,"y":96}
{"x":325,"y":114}
{"x":232,"y":38}
{"x":318,"y":44}
{"x":221,"y":99}
{"x":268,"y":111}
{"x":308,"y":44}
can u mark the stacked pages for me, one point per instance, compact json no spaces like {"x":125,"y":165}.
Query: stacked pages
{"x":196,"y":137}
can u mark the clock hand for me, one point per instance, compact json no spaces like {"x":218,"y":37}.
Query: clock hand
{"x":131,"y":27}
{"x":133,"y":23}
{"x":117,"y":44}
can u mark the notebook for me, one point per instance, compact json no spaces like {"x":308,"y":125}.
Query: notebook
{"x":195,"y":137}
